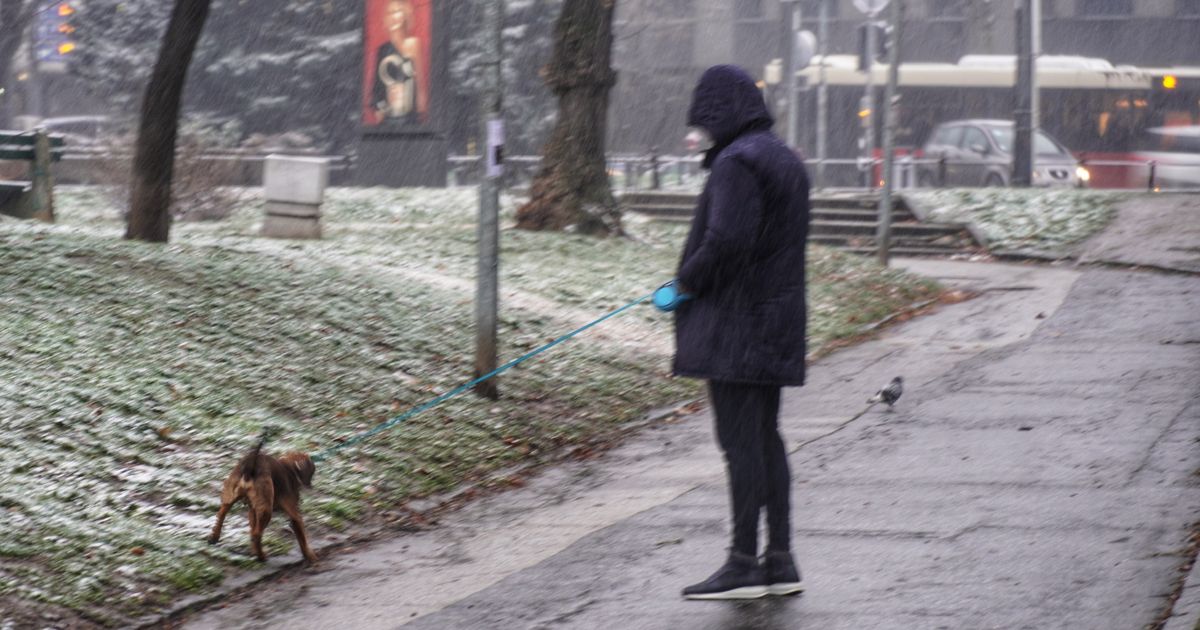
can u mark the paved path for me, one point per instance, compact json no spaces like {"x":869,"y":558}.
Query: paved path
{"x":1039,"y":473}
{"x":1157,"y":230}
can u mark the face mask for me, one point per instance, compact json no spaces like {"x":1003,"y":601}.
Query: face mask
{"x":697,"y":140}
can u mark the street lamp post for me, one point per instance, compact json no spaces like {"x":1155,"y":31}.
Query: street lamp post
{"x":822,"y":94}
{"x":792,"y":19}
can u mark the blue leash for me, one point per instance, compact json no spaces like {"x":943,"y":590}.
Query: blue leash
{"x":387,"y":424}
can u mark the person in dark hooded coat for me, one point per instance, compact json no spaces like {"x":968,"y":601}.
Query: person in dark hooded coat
{"x":743,"y":328}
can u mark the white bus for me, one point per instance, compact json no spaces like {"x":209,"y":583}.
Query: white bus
{"x":1100,"y":111}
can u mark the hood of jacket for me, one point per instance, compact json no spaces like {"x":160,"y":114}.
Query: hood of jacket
{"x":726,"y":103}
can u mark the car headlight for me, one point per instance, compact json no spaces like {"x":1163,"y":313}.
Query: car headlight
{"x":1083,"y":174}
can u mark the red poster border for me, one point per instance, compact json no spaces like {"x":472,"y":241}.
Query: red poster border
{"x":374,"y":35}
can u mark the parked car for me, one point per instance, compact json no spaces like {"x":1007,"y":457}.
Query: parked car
{"x":82,"y":131}
{"x":1176,"y":153}
{"x":979,"y":153}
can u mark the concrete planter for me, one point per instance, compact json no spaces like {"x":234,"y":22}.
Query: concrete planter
{"x":294,"y":188}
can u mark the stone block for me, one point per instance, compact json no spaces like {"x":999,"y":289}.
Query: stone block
{"x":291,"y":220}
{"x":293,"y":179}
{"x":288,"y":209}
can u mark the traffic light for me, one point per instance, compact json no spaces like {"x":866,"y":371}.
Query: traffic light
{"x":882,"y":32}
{"x":54,"y":34}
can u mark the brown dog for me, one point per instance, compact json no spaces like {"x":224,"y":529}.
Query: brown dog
{"x":268,"y":484}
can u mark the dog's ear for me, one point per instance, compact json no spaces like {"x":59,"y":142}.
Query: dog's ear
{"x":306,"y":469}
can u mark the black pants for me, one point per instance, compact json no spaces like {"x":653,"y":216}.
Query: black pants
{"x":748,"y":432}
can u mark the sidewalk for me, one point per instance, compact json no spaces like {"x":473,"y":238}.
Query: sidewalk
{"x":1038,"y":473}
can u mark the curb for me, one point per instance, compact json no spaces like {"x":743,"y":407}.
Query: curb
{"x":1184,"y":613}
{"x":1058,"y":257}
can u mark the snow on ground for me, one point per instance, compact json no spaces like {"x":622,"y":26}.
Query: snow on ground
{"x":133,"y":375}
{"x":1031,"y":218}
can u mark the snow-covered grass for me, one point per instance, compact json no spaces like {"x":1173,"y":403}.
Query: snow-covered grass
{"x":132,"y":376}
{"x":1031,"y":218}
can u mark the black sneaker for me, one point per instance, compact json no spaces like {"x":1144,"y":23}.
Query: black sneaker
{"x":783,"y":578}
{"x":740,"y":578}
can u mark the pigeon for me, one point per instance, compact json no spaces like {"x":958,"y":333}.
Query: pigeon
{"x":890,"y":393}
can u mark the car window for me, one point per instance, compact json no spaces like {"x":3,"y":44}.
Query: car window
{"x":1043,"y":144}
{"x":946,"y":136}
{"x":973,"y":137}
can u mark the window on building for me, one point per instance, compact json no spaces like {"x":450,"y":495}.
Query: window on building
{"x":748,"y":10}
{"x":1105,"y":7}
{"x":812,"y":9}
{"x":637,"y":10}
{"x":942,"y":9}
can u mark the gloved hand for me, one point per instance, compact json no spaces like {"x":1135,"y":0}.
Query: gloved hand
{"x":669,"y":296}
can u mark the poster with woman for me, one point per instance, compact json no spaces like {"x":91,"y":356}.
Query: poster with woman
{"x":397,"y":44}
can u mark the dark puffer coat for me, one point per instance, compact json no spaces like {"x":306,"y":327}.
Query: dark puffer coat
{"x":744,"y":257}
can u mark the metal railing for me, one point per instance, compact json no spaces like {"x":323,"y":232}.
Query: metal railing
{"x":934,"y":172}
{"x":241,"y":167}
{"x":650,"y":172}
{"x":626,"y":172}
{"x":630,"y":173}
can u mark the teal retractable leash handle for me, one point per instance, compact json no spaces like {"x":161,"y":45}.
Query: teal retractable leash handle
{"x":669,"y":296}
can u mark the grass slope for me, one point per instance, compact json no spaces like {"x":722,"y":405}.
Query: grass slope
{"x":132,"y":375}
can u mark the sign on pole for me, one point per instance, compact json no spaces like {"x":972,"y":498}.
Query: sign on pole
{"x":870,"y":8}
{"x":805,"y":48}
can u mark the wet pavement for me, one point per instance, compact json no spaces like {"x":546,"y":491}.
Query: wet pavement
{"x":1038,"y":473}
{"x":1154,"y":230}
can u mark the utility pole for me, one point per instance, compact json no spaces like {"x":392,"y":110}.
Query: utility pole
{"x":34,"y":82}
{"x":822,"y":94}
{"x":1022,"y":173}
{"x":1035,"y":49}
{"x":487,"y":289}
{"x":793,"y":131}
{"x":890,"y":106}
{"x":869,"y":103}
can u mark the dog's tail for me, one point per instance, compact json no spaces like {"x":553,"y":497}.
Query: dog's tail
{"x":250,"y":461}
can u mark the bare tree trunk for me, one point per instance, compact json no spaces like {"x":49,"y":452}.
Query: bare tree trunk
{"x":571,"y":188}
{"x":154,"y":159}
{"x":15,"y":16}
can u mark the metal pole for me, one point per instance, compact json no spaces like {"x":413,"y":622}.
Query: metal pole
{"x":1022,"y":174}
{"x":43,"y":182}
{"x":890,"y":103}
{"x":822,"y":94}
{"x":793,"y":138}
{"x":869,"y":99}
{"x":654,"y":183}
{"x":1035,"y":51}
{"x":487,"y":289}
{"x":34,"y":87}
